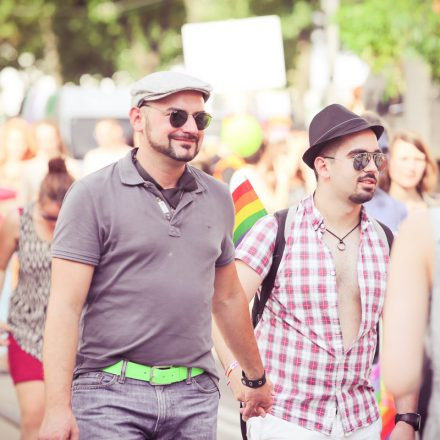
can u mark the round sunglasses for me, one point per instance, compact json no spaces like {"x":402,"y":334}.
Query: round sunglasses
{"x":179,"y":117}
{"x":361,"y":160}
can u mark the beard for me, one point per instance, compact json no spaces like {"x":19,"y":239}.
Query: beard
{"x":360,"y":198}
{"x":363,"y":196}
{"x":171,"y":152}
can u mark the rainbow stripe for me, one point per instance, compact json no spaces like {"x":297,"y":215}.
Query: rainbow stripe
{"x":386,"y":403}
{"x":248,"y":209}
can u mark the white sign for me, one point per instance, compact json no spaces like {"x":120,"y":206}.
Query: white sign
{"x":245,"y":54}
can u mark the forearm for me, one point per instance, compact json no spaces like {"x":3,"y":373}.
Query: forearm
{"x":224,"y":353}
{"x":59,"y":355}
{"x":233,"y":320}
{"x":407,"y":403}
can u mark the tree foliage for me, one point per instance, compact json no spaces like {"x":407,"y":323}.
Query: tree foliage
{"x":384,"y":32}
{"x":73,"y":37}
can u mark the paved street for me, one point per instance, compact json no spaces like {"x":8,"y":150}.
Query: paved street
{"x":228,"y":425}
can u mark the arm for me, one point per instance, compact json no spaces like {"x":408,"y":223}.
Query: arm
{"x":405,"y":315}
{"x":9,"y":234}
{"x":250,"y":281}
{"x":406,"y":305}
{"x":231,"y":314}
{"x":70,"y":285}
{"x":405,"y":404}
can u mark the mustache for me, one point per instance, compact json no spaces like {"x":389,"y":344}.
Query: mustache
{"x":368,"y":176}
{"x":185,"y":136}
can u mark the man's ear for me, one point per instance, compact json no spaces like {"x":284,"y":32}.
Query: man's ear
{"x":136,"y":119}
{"x":321,"y":167}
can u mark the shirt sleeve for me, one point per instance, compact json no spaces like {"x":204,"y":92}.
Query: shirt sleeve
{"x":227,"y":247}
{"x":77,"y":235}
{"x":256,"y":248}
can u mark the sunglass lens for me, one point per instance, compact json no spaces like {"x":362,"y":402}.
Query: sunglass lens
{"x":360,"y":161}
{"x":379,"y":160}
{"x":178,"y":118}
{"x":202,"y":120}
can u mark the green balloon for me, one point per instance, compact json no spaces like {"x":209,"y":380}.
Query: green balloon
{"x":242,"y":134}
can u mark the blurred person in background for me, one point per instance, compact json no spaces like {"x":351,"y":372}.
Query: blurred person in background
{"x":383,"y":206}
{"x":267,"y":166}
{"x":29,"y":232}
{"x":49,"y":145}
{"x":17,"y":144}
{"x":111,"y":147}
{"x":412,"y":171}
{"x":412,"y":306}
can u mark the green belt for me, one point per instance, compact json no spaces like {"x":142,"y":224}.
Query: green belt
{"x":158,"y":375}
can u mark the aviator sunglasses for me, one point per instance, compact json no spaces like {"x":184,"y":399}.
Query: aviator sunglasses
{"x":361,"y":160}
{"x":178,"y":117}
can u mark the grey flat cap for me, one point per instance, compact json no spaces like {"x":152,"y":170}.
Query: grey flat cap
{"x":157,"y":85}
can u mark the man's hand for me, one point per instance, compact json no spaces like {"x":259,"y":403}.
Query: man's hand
{"x":59,"y":424}
{"x":237,"y":388}
{"x":4,"y":329}
{"x":257,"y":401}
{"x":403,"y":431}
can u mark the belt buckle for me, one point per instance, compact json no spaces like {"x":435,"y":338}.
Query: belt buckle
{"x":157,"y":367}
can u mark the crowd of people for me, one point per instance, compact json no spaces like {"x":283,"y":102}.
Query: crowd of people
{"x":124,"y":262}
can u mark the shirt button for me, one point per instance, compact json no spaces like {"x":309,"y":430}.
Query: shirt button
{"x":333,"y":273}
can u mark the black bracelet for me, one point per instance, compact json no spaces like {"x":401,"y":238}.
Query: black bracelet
{"x":257,"y":383}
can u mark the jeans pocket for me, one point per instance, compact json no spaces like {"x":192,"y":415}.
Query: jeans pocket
{"x":93,"y":381}
{"x":205,"y":383}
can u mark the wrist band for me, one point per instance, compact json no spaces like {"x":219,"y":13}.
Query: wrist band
{"x":256,"y":383}
{"x":232,"y":366}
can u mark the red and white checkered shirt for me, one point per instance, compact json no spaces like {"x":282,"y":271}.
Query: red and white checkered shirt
{"x":299,"y":334}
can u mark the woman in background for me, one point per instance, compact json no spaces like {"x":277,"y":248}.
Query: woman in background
{"x":412,"y":171}
{"x":49,"y":144}
{"x":30,"y":232}
{"x":17,"y":145}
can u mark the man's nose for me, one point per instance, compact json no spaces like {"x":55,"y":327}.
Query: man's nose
{"x":371,"y":166}
{"x":190,"y":125}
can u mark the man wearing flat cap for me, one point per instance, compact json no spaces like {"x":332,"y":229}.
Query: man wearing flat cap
{"x":142,"y":255}
{"x":318,"y":330}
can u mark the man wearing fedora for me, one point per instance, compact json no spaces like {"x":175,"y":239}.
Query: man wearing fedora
{"x":142,"y":255}
{"x":318,"y":332}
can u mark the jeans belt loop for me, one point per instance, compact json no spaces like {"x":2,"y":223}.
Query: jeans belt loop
{"x":188,"y":376}
{"x":121,"y":378}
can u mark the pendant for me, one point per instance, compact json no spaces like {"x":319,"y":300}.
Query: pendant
{"x":341,"y":246}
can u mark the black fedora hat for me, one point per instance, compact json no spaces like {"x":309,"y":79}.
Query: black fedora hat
{"x":332,"y":122}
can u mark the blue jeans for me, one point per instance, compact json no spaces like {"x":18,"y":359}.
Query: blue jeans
{"x":109,"y":407}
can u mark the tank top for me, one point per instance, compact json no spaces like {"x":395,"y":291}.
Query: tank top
{"x":28,"y":302}
{"x":432,"y":429}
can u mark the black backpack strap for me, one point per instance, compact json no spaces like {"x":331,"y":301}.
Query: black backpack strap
{"x":388,"y":234}
{"x":269,"y":281}
{"x":390,"y":237}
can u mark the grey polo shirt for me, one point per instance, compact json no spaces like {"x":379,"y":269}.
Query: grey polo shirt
{"x":150,"y":297}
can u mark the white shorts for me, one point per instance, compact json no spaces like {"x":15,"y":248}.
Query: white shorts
{"x":274,"y":428}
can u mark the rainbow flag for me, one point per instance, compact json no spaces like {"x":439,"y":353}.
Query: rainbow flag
{"x":385,"y":401}
{"x":248,"y":209}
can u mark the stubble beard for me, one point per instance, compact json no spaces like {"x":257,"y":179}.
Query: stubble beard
{"x":169,"y":150}
{"x":360,"y":198}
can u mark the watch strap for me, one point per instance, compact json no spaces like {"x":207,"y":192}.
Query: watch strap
{"x":412,"y":419}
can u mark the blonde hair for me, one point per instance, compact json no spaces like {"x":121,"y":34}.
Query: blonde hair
{"x":62,"y":148}
{"x":25,"y":128}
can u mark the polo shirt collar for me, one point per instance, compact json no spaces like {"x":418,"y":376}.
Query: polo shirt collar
{"x":128,"y":172}
{"x":129,"y":175}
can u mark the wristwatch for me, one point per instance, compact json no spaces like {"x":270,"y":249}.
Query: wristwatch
{"x":257,"y":383}
{"x":412,"y":419}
